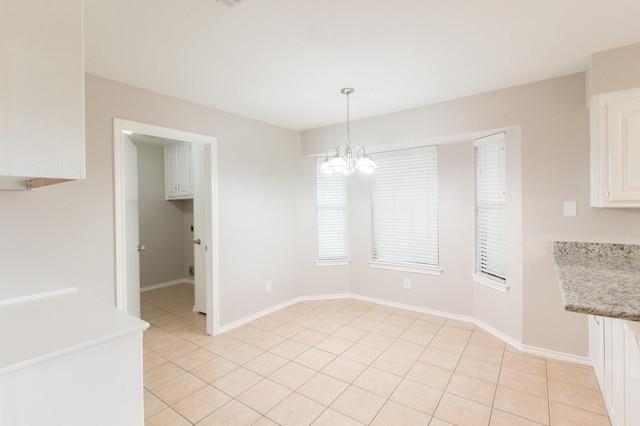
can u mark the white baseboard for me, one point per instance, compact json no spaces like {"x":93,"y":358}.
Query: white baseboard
{"x":166,"y":284}
{"x":253,"y":317}
{"x":547,"y":353}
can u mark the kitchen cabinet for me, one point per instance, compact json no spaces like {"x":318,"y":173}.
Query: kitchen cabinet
{"x":41,"y":93}
{"x":178,"y":171}
{"x":615,"y":148}
{"x":69,"y":359}
{"x":614,"y":349}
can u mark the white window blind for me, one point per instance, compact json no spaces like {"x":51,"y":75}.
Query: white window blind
{"x":491,"y":217}
{"x":331,"y":205}
{"x":405,"y":207}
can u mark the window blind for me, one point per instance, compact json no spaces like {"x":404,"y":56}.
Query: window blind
{"x":331,"y":208}
{"x":491,"y":217}
{"x":405,"y":207}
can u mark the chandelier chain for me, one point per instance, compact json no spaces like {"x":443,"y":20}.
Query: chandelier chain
{"x":348,"y":129}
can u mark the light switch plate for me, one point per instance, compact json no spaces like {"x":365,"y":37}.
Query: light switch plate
{"x":570,"y":208}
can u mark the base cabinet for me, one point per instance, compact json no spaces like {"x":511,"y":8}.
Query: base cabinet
{"x":614,"y":349}
{"x":69,"y":359}
{"x":100,"y":385}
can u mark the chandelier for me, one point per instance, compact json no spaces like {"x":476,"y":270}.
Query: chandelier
{"x":345,"y":159}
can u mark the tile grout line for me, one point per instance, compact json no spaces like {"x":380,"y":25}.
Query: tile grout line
{"x":325,"y":315}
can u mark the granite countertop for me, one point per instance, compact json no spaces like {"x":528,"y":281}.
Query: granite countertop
{"x":599,"y":279}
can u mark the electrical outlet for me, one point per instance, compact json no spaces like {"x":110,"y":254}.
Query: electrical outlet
{"x":268,"y":285}
{"x":407,"y":283}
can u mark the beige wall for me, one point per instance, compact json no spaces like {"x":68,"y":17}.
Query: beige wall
{"x":612,"y":70}
{"x":164,"y":226}
{"x":64,"y":235}
{"x":551,"y":121}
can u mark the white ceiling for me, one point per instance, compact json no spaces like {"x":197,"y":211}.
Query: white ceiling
{"x":285,"y":61}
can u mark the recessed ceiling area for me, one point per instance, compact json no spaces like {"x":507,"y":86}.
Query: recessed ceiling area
{"x":284,"y":61}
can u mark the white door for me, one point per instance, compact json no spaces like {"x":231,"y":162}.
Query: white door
{"x":199,"y":234}
{"x":132,"y":256}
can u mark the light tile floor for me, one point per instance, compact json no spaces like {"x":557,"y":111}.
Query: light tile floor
{"x":349,"y":362}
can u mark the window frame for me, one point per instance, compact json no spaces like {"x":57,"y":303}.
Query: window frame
{"x":321,"y":178}
{"x":386,"y":159}
{"x":490,"y":276}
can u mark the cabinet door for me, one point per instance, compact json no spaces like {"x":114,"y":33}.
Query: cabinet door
{"x":618,"y":371}
{"x":170,"y":171}
{"x":615,"y":148}
{"x":624,"y":148}
{"x":607,"y":390}
{"x":184,"y":173}
{"x":41,"y":91}
{"x":596,"y":347}
{"x":632,"y":360}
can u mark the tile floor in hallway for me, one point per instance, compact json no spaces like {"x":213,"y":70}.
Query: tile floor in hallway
{"x":349,"y":362}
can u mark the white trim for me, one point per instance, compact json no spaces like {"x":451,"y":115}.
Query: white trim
{"x":38,"y":296}
{"x":561,"y":356}
{"x":166,"y":284}
{"x":257,"y":315}
{"x":491,"y":283}
{"x":211,"y":211}
{"x":332,"y":262}
{"x":253,"y":317}
{"x":533,"y":350}
{"x":428,"y":270}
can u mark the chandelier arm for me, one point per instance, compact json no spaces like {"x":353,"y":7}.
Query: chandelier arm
{"x":359,"y":151}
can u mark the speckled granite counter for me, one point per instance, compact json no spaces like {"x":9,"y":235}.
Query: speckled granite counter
{"x":599,"y":279}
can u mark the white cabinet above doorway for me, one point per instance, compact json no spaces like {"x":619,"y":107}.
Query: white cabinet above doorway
{"x":178,"y":173}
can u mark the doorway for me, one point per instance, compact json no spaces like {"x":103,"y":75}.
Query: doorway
{"x":127,"y":244}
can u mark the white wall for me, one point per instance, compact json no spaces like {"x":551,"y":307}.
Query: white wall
{"x":551,"y":121}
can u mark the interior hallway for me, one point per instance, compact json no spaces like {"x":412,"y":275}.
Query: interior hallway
{"x":349,"y":362}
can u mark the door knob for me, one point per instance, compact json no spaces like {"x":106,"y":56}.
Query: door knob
{"x":197,"y":241}
{"x":141,"y":248}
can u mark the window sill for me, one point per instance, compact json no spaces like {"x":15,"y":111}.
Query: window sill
{"x":428,"y":270}
{"x":491,"y":283}
{"x":333,"y":262}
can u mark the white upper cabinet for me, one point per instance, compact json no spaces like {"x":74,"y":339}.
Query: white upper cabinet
{"x":41,"y":92}
{"x":615,"y":149}
{"x":178,"y":174}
